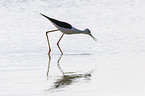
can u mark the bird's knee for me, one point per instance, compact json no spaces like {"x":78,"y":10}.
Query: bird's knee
{"x":57,"y":43}
{"x":49,"y":52}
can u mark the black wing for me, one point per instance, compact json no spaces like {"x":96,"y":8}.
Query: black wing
{"x":59,"y":23}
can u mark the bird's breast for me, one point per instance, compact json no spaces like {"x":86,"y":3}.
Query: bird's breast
{"x":70,"y":31}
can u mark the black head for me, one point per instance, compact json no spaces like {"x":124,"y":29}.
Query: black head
{"x":87,"y":31}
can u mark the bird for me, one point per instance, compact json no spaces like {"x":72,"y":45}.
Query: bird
{"x":65,"y":28}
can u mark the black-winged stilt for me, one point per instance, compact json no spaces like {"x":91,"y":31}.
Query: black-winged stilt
{"x":65,"y":28}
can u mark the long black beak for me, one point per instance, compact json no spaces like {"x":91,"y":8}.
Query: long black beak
{"x":93,"y":37}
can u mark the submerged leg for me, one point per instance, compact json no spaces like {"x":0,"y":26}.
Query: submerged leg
{"x":58,"y":64}
{"x":48,"y":65}
{"x":58,"y":43}
{"x":48,"y":40}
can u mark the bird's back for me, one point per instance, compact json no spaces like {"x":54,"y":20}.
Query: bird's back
{"x":58,"y":23}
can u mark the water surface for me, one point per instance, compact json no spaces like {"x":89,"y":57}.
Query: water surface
{"x":112,"y":66}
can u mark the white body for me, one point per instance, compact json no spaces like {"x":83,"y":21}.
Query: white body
{"x":67,"y":30}
{"x":70,"y":31}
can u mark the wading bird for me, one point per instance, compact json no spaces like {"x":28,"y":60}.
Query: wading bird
{"x":65,"y":28}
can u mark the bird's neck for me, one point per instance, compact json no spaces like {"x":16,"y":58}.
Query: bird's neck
{"x":77,"y":31}
{"x":83,"y":32}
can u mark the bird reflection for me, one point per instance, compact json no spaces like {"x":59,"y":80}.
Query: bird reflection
{"x":68,"y":77}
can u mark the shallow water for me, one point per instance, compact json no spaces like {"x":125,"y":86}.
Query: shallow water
{"x":114,"y":65}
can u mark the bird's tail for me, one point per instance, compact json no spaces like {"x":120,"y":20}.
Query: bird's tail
{"x":44,"y":16}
